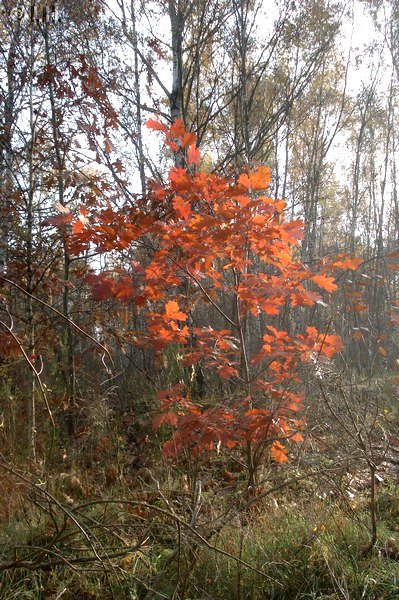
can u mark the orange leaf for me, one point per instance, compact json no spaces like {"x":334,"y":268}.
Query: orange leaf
{"x":168,"y":418}
{"x":58,"y":220}
{"x":243,"y":200}
{"x":193,"y":155}
{"x":124,"y":288}
{"x":348,"y":263}
{"x":178,"y":130}
{"x":278,"y":452}
{"x":359,"y":307}
{"x":171,"y":419}
{"x":102,"y":286}
{"x":173,"y":312}
{"x":188,"y":139}
{"x":326,"y":283}
{"x":227,"y":371}
{"x":182,"y":208}
{"x":172,"y":393}
{"x":259,"y":219}
{"x":77,"y":227}
{"x":330,"y":345}
{"x":156,"y":125}
{"x":279,"y":205}
{"x":259,"y":180}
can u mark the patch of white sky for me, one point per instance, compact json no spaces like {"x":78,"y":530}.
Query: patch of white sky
{"x":152,"y":23}
{"x":370,"y":62}
{"x":359,"y":42}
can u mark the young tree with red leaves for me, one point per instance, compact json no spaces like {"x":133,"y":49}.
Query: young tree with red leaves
{"x":209,"y":238}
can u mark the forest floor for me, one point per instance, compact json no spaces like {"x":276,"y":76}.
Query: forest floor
{"x":99,"y":525}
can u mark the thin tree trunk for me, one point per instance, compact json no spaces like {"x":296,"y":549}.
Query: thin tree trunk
{"x":176,"y":97}
{"x":140,"y":150}
{"x":6,"y":154}
{"x":68,"y":334}
{"x":29,"y":271}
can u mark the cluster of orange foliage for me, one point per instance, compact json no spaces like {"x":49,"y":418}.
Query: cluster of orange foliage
{"x":212,"y":242}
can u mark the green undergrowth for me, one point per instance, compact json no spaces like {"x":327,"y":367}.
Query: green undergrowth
{"x":303,"y":552}
{"x":309,"y":540}
{"x":288,"y":549}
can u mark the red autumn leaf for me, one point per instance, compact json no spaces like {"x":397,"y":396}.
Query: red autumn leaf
{"x":223,"y":246}
{"x":279,"y":205}
{"x":173,"y":312}
{"x":226,"y":371}
{"x":182,"y":208}
{"x":324,"y":282}
{"x":124,"y":288}
{"x":118,"y":166}
{"x":243,"y":200}
{"x":180,"y":179}
{"x":259,"y":219}
{"x":193,"y":155}
{"x":168,"y":418}
{"x":293,"y":231}
{"x":259,"y":180}
{"x":280,"y":335}
{"x":359,"y":307}
{"x":278,"y":452}
{"x":156,"y":125}
{"x":178,"y":130}
{"x":188,"y":139}
{"x":331,"y":345}
{"x":170,"y":394}
{"x":77,"y":227}
{"x":58,"y":220}
{"x":256,"y":411}
{"x":348,"y":263}
{"x":102,"y":286}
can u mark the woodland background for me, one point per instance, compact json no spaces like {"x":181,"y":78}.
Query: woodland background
{"x":92,"y":506}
